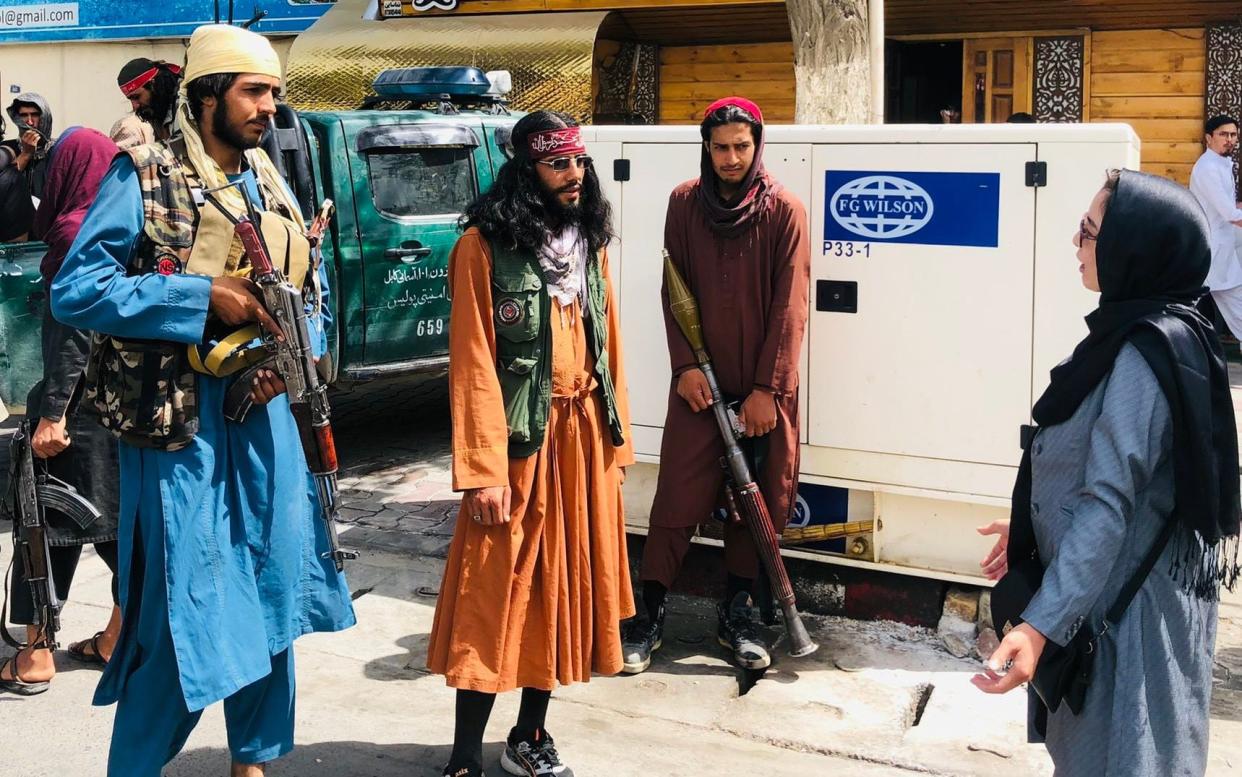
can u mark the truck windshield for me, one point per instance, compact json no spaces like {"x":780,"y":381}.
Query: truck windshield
{"x":421,"y":181}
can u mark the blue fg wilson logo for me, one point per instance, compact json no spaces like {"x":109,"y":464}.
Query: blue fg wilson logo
{"x":881,"y":207}
{"x":946,"y":209}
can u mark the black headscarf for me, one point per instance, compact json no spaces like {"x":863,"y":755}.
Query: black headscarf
{"x":1152,"y":256}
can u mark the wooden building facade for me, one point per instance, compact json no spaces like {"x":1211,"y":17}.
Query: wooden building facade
{"x":1161,"y":66}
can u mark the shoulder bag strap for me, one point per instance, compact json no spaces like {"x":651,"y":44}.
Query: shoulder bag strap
{"x":1133,"y":585}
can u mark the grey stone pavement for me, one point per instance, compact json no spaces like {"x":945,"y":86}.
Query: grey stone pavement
{"x":876,"y":699}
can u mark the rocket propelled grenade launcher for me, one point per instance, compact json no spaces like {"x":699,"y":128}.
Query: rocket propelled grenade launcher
{"x":742,"y":491}
{"x":294,"y":360}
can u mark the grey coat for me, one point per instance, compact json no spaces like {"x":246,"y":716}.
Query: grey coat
{"x":1101,"y":489}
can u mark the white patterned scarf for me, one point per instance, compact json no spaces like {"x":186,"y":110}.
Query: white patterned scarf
{"x":563,"y":259}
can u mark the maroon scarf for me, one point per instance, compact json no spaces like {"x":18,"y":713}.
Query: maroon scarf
{"x":755,"y":196}
{"x":77,"y":165}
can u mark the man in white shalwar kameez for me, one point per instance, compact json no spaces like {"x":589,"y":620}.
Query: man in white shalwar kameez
{"x":1213,"y":185}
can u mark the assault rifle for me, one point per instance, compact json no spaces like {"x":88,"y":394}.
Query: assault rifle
{"x":741,"y":491}
{"x":294,"y":360}
{"x":33,"y":492}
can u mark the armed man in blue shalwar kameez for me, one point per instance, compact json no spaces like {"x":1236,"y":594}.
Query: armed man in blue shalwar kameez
{"x":220,"y":556}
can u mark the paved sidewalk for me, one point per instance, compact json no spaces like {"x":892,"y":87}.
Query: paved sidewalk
{"x":876,"y":699}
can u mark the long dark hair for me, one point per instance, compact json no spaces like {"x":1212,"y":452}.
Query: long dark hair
{"x":212,"y":85}
{"x":517,"y":213}
{"x":164,"y":89}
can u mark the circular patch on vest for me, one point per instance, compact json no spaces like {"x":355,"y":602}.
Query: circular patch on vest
{"x":167,"y":265}
{"x":509,"y":312}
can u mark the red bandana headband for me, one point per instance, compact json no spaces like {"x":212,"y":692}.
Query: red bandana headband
{"x":555,"y":142}
{"x":144,"y":78}
{"x":736,"y":102}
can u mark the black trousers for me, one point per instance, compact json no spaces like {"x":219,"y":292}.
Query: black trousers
{"x":64,"y":565}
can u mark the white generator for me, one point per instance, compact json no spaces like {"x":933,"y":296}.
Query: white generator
{"x":944,"y":287}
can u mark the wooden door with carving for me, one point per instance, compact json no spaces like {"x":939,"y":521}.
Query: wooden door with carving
{"x":996,"y":79}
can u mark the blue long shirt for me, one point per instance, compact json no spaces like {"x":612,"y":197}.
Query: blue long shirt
{"x":242,"y":538}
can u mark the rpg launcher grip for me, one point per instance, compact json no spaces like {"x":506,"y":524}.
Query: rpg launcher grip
{"x":744,"y":492}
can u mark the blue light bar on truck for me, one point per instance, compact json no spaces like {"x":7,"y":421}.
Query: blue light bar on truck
{"x":412,"y":83}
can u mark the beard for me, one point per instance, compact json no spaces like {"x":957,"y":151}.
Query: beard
{"x":224,"y":129}
{"x":560,"y":215}
{"x":155,"y":113}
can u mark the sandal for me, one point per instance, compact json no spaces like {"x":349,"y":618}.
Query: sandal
{"x":77,"y":651}
{"x":17,"y":685}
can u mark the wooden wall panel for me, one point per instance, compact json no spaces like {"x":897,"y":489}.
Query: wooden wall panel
{"x":751,"y":52}
{"x":926,"y":17}
{"x":1153,"y":80}
{"x":692,"y":77}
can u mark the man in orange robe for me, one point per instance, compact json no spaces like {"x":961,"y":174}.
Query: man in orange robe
{"x":537,"y":578}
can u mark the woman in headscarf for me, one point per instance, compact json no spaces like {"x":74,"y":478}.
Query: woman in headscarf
{"x":68,"y":437}
{"x":1134,"y":460}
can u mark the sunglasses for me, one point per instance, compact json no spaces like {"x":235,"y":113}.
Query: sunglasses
{"x":1083,"y":234}
{"x":562,"y":163}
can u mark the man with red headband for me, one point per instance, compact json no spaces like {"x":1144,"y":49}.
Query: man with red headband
{"x":537,"y":581}
{"x":741,"y":242}
{"x":151,"y":88}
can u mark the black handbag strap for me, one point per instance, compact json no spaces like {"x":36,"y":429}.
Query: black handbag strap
{"x":1133,"y":585}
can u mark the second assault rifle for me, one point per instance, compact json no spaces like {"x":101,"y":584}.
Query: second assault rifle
{"x":741,"y":491}
{"x":32,"y":492}
{"x":294,"y":360}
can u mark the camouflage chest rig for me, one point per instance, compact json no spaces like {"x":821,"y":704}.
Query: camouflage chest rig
{"x":146,"y":390}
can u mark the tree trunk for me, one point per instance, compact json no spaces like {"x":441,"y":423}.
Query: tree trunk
{"x":831,"y":61}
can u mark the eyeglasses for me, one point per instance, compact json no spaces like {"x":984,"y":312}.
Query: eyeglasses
{"x":561,"y":163}
{"x":1083,"y":234}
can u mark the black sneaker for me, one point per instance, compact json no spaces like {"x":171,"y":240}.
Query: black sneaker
{"x":537,"y":758}
{"x":465,"y":771}
{"x":737,"y":631}
{"x":639,"y":639}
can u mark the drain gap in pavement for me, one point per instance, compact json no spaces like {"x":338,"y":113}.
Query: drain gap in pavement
{"x":922,"y":695}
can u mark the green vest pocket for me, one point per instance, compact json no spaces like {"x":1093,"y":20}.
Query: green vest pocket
{"x":516,"y":301}
{"x":521,"y":366}
{"x":515,"y":386}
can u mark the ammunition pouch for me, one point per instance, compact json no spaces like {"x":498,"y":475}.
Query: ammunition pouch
{"x":145,"y":391}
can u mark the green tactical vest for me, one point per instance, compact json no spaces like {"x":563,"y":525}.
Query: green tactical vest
{"x":522,"y":310}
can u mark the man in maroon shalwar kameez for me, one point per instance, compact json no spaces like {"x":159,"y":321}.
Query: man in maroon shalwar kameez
{"x":741,"y":242}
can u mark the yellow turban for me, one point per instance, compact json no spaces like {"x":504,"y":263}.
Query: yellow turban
{"x":223,"y":48}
